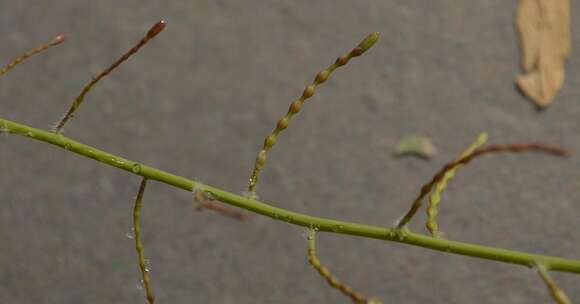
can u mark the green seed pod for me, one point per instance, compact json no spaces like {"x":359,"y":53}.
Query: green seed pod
{"x":342,"y":60}
{"x":321,"y":77}
{"x":261,"y":159}
{"x":308,"y":92}
{"x":270,"y":141}
{"x":295,"y":107}
{"x":282,"y":124}
{"x":369,"y":41}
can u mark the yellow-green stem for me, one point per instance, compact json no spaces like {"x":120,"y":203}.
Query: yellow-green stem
{"x":327,"y":275}
{"x":557,"y":294}
{"x":139,"y":244}
{"x":295,"y":106}
{"x":322,"y":224}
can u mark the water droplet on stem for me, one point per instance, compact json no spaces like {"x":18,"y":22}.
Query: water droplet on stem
{"x":131,"y":233}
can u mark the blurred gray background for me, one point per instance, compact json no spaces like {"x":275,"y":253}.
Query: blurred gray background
{"x":198,"y":102}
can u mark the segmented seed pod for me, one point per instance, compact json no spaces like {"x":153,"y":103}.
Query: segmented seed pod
{"x":145,"y":279}
{"x":435,"y":196}
{"x":333,"y":281}
{"x":296,"y":105}
{"x":153,"y":31}
{"x":491,"y":149}
{"x":55,"y":41}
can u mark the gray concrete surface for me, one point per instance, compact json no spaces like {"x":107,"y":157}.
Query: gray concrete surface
{"x":198,"y":102}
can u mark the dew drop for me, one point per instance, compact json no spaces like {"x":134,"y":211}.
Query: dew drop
{"x":253,"y":182}
{"x":136,"y":168}
{"x":250,"y":195}
{"x":130,"y":233}
{"x":209,"y":196}
{"x":139,"y":285}
{"x":67,"y":146}
{"x":147,"y":265}
{"x":29,"y":134}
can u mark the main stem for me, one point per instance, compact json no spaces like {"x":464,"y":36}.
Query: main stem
{"x":322,"y":224}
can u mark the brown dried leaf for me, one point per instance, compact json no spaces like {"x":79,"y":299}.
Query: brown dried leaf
{"x":544,"y":28}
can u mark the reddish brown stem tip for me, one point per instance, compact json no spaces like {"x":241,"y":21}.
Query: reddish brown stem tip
{"x":58,"y":39}
{"x":156,"y":29}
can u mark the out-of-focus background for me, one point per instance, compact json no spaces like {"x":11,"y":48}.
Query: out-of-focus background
{"x":198,"y":102}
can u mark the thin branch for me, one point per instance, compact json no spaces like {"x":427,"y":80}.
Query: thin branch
{"x":558,"y":294}
{"x":295,"y":106}
{"x":139,"y":244}
{"x":327,"y":275}
{"x":204,"y":200}
{"x":512,"y":148}
{"x":435,"y":196}
{"x":153,"y":31}
{"x":55,"y":41}
{"x":322,"y":224}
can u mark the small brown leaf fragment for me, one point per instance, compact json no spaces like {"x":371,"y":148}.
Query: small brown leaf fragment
{"x":544,"y":28}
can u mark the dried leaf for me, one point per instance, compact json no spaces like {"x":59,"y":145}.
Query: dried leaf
{"x":417,"y":145}
{"x":544,"y":28}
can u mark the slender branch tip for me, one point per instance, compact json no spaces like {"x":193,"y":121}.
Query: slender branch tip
{"x":369,"y":41}
{"x":58,"y":39}
{"x":153,"y":31}
{"x":156,"y":29}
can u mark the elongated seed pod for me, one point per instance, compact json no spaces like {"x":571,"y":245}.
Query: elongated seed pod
{"x":327,"y":275}
{"x":139,"y":244}
{"x":296,"y":106}
{"x":153,"y":31}
{"x":512,"y":148}
{"x":435,"y":196}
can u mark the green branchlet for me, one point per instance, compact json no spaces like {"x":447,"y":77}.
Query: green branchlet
{"x":296,"y":106}
{"x":55,"y":41}
{"x":491,"y":149}
{"x":333,"y":281}
{"x":146,"y":280}
{"x":153,"y":31}
{"x":557,"y":293}
{"x":435,"y":196}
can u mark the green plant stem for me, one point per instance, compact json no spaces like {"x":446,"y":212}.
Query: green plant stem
{"x":146,"y":281}
{"x":322,"y":224}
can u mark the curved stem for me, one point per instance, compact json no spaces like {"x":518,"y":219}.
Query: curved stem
{"x":332,"y":280}
{"x":146,"y":281}
{"x":322,"y":224}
